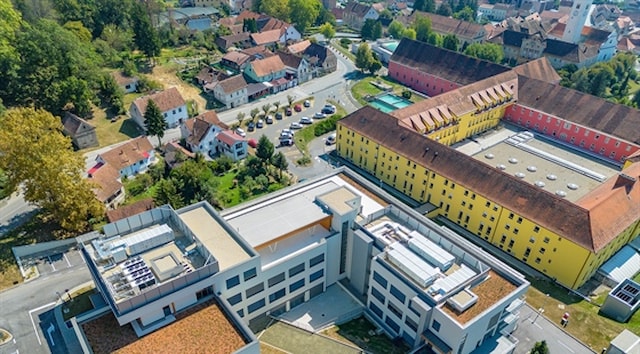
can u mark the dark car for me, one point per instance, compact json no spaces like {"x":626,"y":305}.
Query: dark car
{"x":279,"y":116}
{"x":288,"y":111}
{"x":251,"y":126}
{"x":286,"y":142}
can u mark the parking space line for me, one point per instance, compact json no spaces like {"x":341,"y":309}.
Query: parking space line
{"x":67,"y":259}
{"x":566,"y":347}
{"x":33,"y":323}
{"x":51,"y":263}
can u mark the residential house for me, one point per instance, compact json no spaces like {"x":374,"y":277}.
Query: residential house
{"x":208,"y":76}
{"x":258,"y":52}
{"x":240,"y":40}
{"x":321,"y":59}
{"x":128,"y":84}
{"x":296,"y":67}
{"x":231,"y":145}
{"x":235,"y":61}
{"x":107,"y":186}
{"x":82,"y":134}
{"x":130,"y":158}
{"x":231,"y":24}
{"x":624,"y":25}
{"x":603,"y":42}
{"x":130,"y":210}
{"x":342,"y":236}
{"x":496,"y":12}
{"x":265,"y":70}
{"x":269,"y":39}
{"x":356,"y":14}
{"x":467,"y":32}
{"x":329,"y":4}
{"x":199,"y":132}
{"x":170,"y":102}
{"x":299,"y":47}
{"x":232,"y":92}
{"x":175,"y":155}
{"x":338,"y":13}
{"x":290,"y":33}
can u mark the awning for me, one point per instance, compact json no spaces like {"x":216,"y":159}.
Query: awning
{"x":93,"y":169}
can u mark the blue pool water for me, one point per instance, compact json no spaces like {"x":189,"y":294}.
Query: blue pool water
{"x":391,"y":46}
{"x":389,"y":102}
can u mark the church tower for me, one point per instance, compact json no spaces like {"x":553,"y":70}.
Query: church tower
{"x":577,"y":19}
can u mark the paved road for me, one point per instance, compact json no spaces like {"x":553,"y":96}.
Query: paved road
{"x":14,"y":211}
{"x":26,"y":309}
{"x":532,"y":329}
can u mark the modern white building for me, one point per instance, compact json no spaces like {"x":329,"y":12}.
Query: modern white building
{"x":270,"y":255}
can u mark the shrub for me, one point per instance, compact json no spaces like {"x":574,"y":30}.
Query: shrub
{"x":406,"y":94}
{"x":303,"y":161}
{"x":327,"y":125}
{"x":345,"y":42}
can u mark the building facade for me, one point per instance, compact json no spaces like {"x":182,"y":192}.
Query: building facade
{"x":170,"y":103}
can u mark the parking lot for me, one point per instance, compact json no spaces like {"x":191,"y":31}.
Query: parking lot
{"x":58,"y":261}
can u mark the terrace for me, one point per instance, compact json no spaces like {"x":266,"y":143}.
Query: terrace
{"x":202,"y":326}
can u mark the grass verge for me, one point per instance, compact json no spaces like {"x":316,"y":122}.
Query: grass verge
{"x":365,"y":87}
{"x":80,"y":303}
{"x":356,"y":332}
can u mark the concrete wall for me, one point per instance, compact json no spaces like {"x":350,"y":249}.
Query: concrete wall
{"x":360,"y":261}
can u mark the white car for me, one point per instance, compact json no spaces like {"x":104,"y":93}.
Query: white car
{"x":295,"y":125}
{"x":241,"y":132}
{"x":306,"y":120}
{"x":319,"y":115}
{"x":331,"y":139}
{"x":287,"y":131}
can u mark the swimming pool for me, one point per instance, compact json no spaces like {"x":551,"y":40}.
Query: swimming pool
{"x":389,"y":102}
{"x":391,"y":46}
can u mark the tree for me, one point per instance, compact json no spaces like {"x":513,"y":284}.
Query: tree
{"x":325,"y":16}
{"x":540,"y":348}
{"x":79,"y":30}
{"x":290,"y":99}
{"x":264,"y":150}
{"x":254,"y":113}
{"x":266,"y":108}
{"x":277,"y":105}
{"x":395,"y":29}
{"x":601,"y":75}
{"x":375,"y":65}
{"x":117,"y":38}
{"x":280,"y":162}
{"x":451,"y":42}
{"x":377,"y":30}
{"x":487,"y":51}
{"x":444,"y":9}
{"x":35,"y":155}
{"x":409,"y":33}
{"x":154,"y":122}
{"x":240,"y":117}
{"x":168,"y":193}
{"x":146,"y":36}
{"x":327,"y":30}
{"x":276,"y":8}
{"x":434,"y":39}
{"x":194,"y":179}
{"x":364,"y":57}
{"x":386,"y":15}
{"x":371,"y":30}
{"x":112,"y":94}
{"x":422,"y":26}
{"x":466,"y":14}
{"x":250,"y":25}
{"x":303,"y":13}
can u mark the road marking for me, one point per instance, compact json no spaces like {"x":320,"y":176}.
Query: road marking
{"x":49,"y":331}
{"x":537,"y":325}
{"x":51,"y":263}
{"x":67,"y":259}
{"x":33,"y":323}
{"x":564,"y":345}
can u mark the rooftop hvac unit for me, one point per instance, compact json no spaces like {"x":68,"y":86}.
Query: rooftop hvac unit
{"x":148,"y":239}
{"x":417,"y":269}
{"x":430,"y":251}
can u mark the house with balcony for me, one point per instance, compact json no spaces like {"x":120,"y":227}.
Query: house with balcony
{"x":199,"y":132}
{"x":130,"y":158}
{"x":231,"y":145}
{"x":170,"y":102}
{"x":296,"y":67}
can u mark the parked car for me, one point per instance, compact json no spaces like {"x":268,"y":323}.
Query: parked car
{"x":297,"y":108}
{"x":306,"y":120}
{"x":260,"y":124}
{"x":319,"y":115}
{"x":279,"y":116}
{"x":328,"y":110}
{"x":284,"y":135}
{"x":251,"y":126}
{"x":286,"y":142}
{"x":295,"y":125}
{"x":253,"y":143}
{"x":269,"y":119}
{"x":241,"y":132}
{"x":288,"y":131}
{"x":331,"y":139}
{"x":307,"y":103}
{"x":288,"y":111}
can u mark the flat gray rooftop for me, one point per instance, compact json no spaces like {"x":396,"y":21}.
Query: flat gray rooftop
{"x":550,"y":166}
{"x":265,"y":222}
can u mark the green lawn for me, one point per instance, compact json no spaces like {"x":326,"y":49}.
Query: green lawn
{"x":365,"y":87}
{"x":295,"y":340}
{"x":356,"y":332}
{"x":303,"y":137}
{"x":343,"y":50}
{"x":585,"y":322}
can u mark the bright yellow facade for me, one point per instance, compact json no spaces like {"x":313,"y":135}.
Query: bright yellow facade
{"x":557,"y":257}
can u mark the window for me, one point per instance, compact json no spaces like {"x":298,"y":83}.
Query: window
{"x":297,"y":285}
{"x":532,"y":239}
{"x":241,"y":312}
{"x":379,"y":279}
{"x":527,"y":252}
{"x":536,"y":229}
{"x":250,"y":274}
{"x":277,"y":279}
{"x":256,"y":306}
{"x":397,"y":294}
{"x":542,"y":250}
{"x":317,"y":275}
{"x":435,"y":325}
{"x":378,"y":295}
{"x":510,"y":216}
{"x":296,"y":270}
{"x":375,"y":309}
{"x":396,"y":311}
{"x":519,"y":221}
{"x":511,"y":242}
{"x":503,"y":239}
{"x":316,"y":260}
{"x":235,"y":299}
{"x":233,"y":281}
{"x":277,"y":295}
{"x":411,"y":324}
{"x":256,"y":289}
{"x":538,"y":260}
{"x":394,"y":326}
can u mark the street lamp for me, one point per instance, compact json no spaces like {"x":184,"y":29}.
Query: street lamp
{"x":538,"y":313}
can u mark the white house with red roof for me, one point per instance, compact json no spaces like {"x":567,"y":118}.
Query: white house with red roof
{"x":231,"y":145}
{"x":170,"y":102}
{"x":199,"y":133}
{"x":128,"y":159}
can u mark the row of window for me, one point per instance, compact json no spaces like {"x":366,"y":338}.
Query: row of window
{"x":252,"y":273}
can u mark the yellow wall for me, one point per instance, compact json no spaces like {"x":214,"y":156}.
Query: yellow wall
{"x":469,"y":124}
{"x":545,"y":251}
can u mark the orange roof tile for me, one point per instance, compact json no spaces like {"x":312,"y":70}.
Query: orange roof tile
{"x":127,"y":154}
{"x":106,"y":182}
{"x":267,"y":66}
{"x":166,"y":100}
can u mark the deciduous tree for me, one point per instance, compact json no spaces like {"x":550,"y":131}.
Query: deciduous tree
{"x":168,"y":193}
{"x":364,"y":57}
{"x":487,"y":51}
{"x":280,"y":162}
{"x":264,"y":150}
{"x":36,"y":156}
{"x":146,"y":36}
{"x":304,"y":12}
{"x":422,"y":26}
{"x":154,"y":122}
{"x":540,"y":348}
{"x":451,"y":42}
{"x":395,"y":29}
{"x":327,"y":30}
{"x":276,"y":8}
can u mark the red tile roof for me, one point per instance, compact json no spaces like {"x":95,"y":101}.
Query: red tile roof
{"x":106,"y":182}
{"x":229,"y":137}
{"x":267,"y":66}
{"x":130,"y":210}
{"x":166,"y":100}
{"x":299,"y":47}
{"x":267,"y":37}
{"x":127,"y":154}
{"x":233,"y":84}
